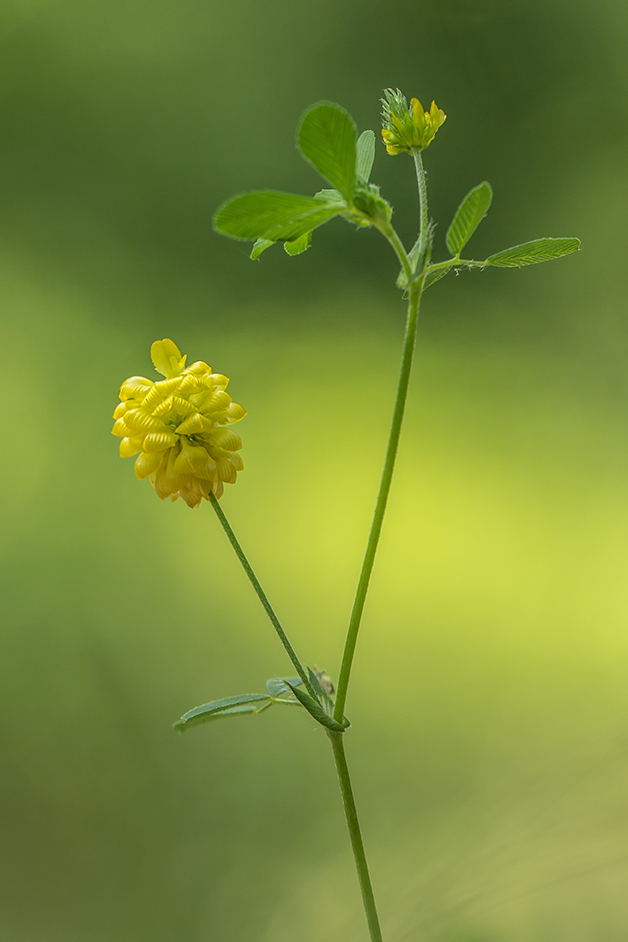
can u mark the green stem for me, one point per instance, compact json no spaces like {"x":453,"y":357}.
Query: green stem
{"x":423,"y":215}
{"x":380,"y":508}
{"x":261,"y":594}
{"x":353,"y":824}
{"x":389,"y":233}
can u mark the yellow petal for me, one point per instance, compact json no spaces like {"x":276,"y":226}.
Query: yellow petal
{"x":145,"y":464}
{"x":120,"y":429}
{"x":154,"y":398}
{"x":201,"y":399}
{"x":167,"y":358}
{"x":218,"y":379}
{"x":226,"y":471}
{"x":225,"y":438}
{"x":130,"y":446}
{"x":191,"y":460}
{"x":135,"y":387}
{"x":119,"y":410}
{"x":236,"y":462}
{"x":163,"y":408}
{"x":181,"y":406}
{"x":198,"y":368}
{"x":189,"y":385}
{"x":219,"y":402}
{"x":138,"y":421}
{"x":193,"y":492}
{"x":159,"y":441}
{"x":192,"y":425}
{"x":235,"y":412}
{"x":168,"y":386}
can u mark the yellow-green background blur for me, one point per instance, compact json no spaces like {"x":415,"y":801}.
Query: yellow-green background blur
{"x":490,"y":693}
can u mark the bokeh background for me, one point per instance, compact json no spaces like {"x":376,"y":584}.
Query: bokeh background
{"x":490,"y":695}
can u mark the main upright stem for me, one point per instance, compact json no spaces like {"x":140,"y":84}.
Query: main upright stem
{"x":382,"y":498}
{"x":415,"y":290}
{"x":351,"y":815}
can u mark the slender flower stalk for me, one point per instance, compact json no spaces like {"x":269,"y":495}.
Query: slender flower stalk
{"x":298,"y":666}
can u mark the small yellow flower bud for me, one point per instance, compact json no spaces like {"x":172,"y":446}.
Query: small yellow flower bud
{"x":176,"y":427}
{"x":407,"y":127}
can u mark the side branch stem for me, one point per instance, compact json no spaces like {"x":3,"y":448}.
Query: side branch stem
{"x":355,"y":834}
{"x":414,"y":300}
{"x":261,"y":594}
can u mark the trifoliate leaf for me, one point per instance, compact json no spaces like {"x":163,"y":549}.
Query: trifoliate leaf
{"x":365,"y":155}
{"x":326,"y":138}
{"x":468,"y":217}
{"x":530,"y":253}
{"x":228,"y":706}
{"x":299,"y":245}
{"x":272,"y":215}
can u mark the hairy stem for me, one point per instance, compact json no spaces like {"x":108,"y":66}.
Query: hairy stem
{"x":355,"y":834}
{"x":261,"y":594}
{"x":398,"y":247}
{"x":421,"y":180}
{"x":380,"y":507}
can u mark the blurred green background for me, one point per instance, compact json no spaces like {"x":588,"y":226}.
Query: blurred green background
{"x":489,"y":703}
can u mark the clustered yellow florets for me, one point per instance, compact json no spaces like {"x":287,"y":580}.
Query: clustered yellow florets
{"x":176,"y":427}
{"x":408,"y":127}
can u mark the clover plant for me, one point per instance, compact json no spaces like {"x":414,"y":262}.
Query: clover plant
{"x":179,"y":426}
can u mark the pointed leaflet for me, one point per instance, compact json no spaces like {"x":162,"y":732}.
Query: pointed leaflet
{"x":365,"y":150}
{"x":260,"y":246}
{"x":272,"y":215}
{"x":278,"y":685}
{"x":299,"y":245}
{"x":214,"y":710}
{"x":468,"y":217}
{"x":529,"y":253}
{"x":329,"y":195}
{"x":316,"y":710}
{"x":434,"y":276}
{"x":326,"y":138}
{"x":323,"y":697}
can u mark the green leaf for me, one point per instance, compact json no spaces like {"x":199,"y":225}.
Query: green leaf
{"x":323,"y":697}
{"x":278,"y":685}
{"x":365,"y":155}
{"x":434,"y":276}
{"x":530,"y":253}
{"x":217,"y":708}
{"x":326,"y":138}
{"x":260,"y":246}
{"x":316,"y":710}
{"x":272,"y":215}
{"x":330,"y":196}
{"x":468,"y":217}
{"x":299,"y":245}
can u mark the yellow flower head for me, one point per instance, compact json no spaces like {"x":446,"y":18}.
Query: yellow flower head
{"x":408,"y":126}
{"x":176,"y":427}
